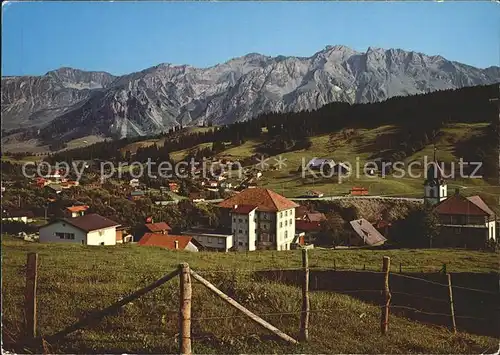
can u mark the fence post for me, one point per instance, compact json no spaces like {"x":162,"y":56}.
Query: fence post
{"x":384,"y":321}
{"x":185,"y":309}
{"x":452,"y":308}
{"x":30,"y":295}
{"x":304,"y":316}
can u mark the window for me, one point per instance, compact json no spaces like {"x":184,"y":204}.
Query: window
{"x":234,"y":231}
{"x":290,"y":221}
{"x":221,"y":241}
{"x":101,"y":233}
{"x":240,"y":231}
{"x":281,"y":214}
{"x":281,"y":224}
{"x":458,"y":230}
{"x":245,"y":231}
{"x":286,"y":234}
{"x":234,"y":219}
{"x":209,"y":240}
{"x":286,"y":223}
{"x":240,"y":220}
{"x":265,"y":226}
{"x":286,"y":213}
{"x":240,"y":243}
{"x":65,"y":235}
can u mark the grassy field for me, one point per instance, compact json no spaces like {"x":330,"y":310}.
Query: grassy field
{"x":359,"y":148}
{"x":75,"y":279}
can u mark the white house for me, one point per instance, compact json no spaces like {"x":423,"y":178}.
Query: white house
{"x":91,"y":229}
{"x":261,"y":219}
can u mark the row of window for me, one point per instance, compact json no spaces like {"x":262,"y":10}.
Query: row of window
{"x":219,"y":240}
{"x":65,"y":235}
{"x":286,"y":223}
{"x":286,"y":213}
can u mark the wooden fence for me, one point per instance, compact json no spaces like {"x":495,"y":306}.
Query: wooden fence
{"x":186,"y":275}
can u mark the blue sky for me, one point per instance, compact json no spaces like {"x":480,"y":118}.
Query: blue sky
{"x":122,"y":37}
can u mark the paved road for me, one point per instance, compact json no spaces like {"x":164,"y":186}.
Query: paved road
{"x":331,"y":198}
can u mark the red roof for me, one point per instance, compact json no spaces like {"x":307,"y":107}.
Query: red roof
{"x":158,"y":227}
{"x":165,"y":241}
{"x":77,"y":208}
{"x":478,"y":201}
{"x":265,"y":200}
{"x":243,"y":209}
{"x":460,"y":205}
{"x":307,"y":226}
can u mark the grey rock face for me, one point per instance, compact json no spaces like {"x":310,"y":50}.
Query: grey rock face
{"x":70,"y":103}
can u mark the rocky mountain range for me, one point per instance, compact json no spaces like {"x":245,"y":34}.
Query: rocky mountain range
{"x":68,"y":103}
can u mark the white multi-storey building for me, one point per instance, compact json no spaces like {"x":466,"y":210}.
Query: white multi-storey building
{"x":260,"y":219}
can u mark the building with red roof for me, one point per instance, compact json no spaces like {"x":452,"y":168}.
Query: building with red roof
{"x":260,"y":219}
{"x":171,"y":242}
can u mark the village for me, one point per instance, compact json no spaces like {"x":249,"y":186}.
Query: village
{"x":249,"y":217}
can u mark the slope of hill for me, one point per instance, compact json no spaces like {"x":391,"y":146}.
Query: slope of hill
{"x":70,"y":287}
{"x":68,"y":103}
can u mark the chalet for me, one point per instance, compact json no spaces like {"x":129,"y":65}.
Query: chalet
{"x":365,"y":234}
{"x":75,"y":211}
{"x":172,"y":242}
{"x":90,"y":229}
{"x":464,"y":222}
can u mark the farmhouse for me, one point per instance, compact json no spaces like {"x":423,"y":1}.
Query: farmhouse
{"x":260,"y":219}
{"x":91,"y":229}
{"x":464,"y":222}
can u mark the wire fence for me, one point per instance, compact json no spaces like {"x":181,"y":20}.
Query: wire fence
{"x":101,"y":284}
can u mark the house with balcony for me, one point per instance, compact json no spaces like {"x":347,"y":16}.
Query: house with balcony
{"x":465,"y":222}
{"x":259,"y":219}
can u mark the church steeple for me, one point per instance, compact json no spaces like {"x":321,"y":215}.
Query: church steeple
{"x":435,"y":188}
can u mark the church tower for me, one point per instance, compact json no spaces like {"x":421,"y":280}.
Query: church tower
{"x":435,"y":187}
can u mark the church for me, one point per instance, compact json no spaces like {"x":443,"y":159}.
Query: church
{"x":464,"y":222}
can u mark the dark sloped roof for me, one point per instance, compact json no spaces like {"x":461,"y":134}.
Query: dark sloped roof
{"x":460,"y":205}
{"x":478,"y":201}
{"x":89,"y":222}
